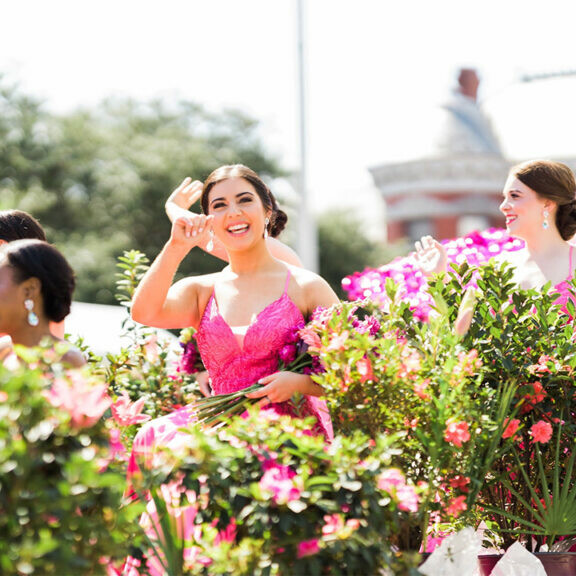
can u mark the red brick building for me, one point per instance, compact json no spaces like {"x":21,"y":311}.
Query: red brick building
{"x":458,"y":187}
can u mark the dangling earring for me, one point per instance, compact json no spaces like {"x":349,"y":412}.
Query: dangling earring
{"x":266,"y":222}
{"x":545,"y":223}
{"x":210,"y":244}
{"x":32,"y":318}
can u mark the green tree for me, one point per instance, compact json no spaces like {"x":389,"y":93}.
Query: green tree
{"x":97,"y":179}
{"x":345,"y":249}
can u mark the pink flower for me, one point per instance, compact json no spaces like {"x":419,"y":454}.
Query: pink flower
{"x":456,"y":433}
{"x":407,"y":498}
{"x":456,"y":506}
{"x":541,"y":432}
{"x":390,"y":479}
{"x":420,"y":389}
{"x":3,"y":396}
{"x":127,"y":413}
{"x":278,"y":481}
{"x":83,"y":400}
{"x":460,"y":482}
{"x":310,"y":337}
{"x":333,"y":524}
{"x":338,"y":341}
{"x":308,"y":548}
{"x":364,"y":367}
{"x":510,"y":428}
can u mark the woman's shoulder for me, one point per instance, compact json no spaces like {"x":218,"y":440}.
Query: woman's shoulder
{"x":315,"y":290}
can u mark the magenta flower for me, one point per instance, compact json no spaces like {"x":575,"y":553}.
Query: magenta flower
{"x":308,"y":548}
{"x":279,"y":482}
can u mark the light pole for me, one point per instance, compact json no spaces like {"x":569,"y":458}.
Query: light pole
{"x":307,"y":240}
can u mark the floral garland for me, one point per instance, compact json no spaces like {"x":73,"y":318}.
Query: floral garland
{"x":475,"y":248}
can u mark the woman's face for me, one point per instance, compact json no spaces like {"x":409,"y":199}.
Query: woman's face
{"x":239,"y":215}
{"x":12,"y":311}
{"x":523,"y":209}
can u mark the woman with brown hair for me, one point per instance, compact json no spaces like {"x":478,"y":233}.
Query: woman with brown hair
{"x":244,"y":314}
{"x":540,"y":208}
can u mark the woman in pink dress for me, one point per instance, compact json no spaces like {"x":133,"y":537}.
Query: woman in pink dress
{"x":244,"y":314}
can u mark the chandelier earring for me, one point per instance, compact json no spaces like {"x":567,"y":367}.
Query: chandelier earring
{"x":545,"y":223}
{"x":210,"y":244}
{"x":266,"y":222}
{"x":32,"y":317}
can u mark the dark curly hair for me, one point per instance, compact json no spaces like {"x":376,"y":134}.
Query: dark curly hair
{"x":553,"y":181}
{"x":16,"y":225}
{"x":278,"y":217}
{"x":32,"y":258}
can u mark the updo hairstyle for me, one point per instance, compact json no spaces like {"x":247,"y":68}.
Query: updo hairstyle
{"x":552,"y":181}
{"x":32,"y":258}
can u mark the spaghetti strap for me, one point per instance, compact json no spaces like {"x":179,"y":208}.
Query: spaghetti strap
{"x":570,"y":270}
{"x":288,"y":277}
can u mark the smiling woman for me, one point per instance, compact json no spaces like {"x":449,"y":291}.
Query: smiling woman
{"x":540,"y":208}
{"x":243,"y":316}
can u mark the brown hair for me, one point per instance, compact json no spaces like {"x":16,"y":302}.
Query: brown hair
{"x":278,"y":218}
{"x":552,"y":181}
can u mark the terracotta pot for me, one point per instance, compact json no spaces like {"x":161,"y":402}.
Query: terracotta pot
{"x":555,"y":563}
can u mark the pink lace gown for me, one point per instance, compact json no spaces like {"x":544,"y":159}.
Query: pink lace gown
{"x":234,"y":364}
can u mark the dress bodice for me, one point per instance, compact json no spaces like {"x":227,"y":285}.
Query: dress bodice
{"x":233,"y":365}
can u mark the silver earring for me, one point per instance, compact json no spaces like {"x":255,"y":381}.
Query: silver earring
{"x":266,"y":222}
{"x":545,"y":223}
{"x":210,"y":244}
{"x":32,"y":318}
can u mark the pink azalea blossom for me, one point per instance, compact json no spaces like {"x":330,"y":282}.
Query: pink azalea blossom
{"x":333,"y":523}
{"x":456,"y":432}
{"x":390,"y":479}
{"x":308,"y":548}
{"x":82,"y":399}
{"x":279,"y":482}
{"x":541,"y":432}
{"x":126,"y":413}
{"x":407,"y":497}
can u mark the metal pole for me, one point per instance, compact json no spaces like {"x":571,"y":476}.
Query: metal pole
{"x":307,"y":242}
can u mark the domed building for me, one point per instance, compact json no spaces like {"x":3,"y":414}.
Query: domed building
{"x":457,"y":186}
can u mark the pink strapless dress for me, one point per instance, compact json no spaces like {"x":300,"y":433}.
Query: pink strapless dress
{"x":233,"y":366}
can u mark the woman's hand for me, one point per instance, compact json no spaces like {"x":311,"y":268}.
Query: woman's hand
{"x":184,"y":196}
{"x":203,"y":380}
{"x":431,"y":256}
{"x":191,"y":230}
{"x":280,"y":387}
